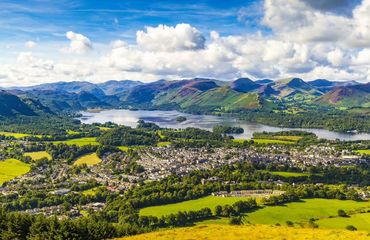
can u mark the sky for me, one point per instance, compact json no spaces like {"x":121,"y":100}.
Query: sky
{"x":98,"y":40}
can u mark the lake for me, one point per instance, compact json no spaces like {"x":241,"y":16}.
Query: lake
{"x":167,"y":119}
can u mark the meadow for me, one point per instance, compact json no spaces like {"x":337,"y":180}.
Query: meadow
{"x":366,"y":152}
{"x":38,"y":155}
{"x":360,"y":221}
{"x":16,"y":135}
{"x":197,"y":204}
{"x":249,"y":232}
{"x":89,"y":160}
{"x":299,"y":212}
{"x":79,"y":141}
{"x":289,"y":174}
{"x":12,"y":168}
{"x":272,"y":141}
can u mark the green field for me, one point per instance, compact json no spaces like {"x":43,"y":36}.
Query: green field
{"x":90,"y":192}
{"x":89,"y":160}
{"x":298,"y":212}
{"x":38,"y":155}
{"x":361,"y":221}
{"x":126,"y":148}
{"x":163,"y":144}
{"x":289,"y":174}
{"x":272,"y":141}
{"x":79,"y":141}
{"x":367,"y":151}
{"x":12,"y":168}
{"x":71,"y":132}
{"x":191,"y":205}
{"x":16,"y":135}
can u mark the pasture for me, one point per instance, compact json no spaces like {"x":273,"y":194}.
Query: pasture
{"x":191,"y":205}
{"x":38,"y":155}
{"x":16,"y":135}
{"x":298,"y":212}
{"x":248,"y":232}
{"x":12,"y":168}
{"x":89,"y":160}
{"x":365,"y":152}
{"x":272,"y":141}
{"x":289,"y":174}
{"x":79,"y":141}
{"x":360,"y":220}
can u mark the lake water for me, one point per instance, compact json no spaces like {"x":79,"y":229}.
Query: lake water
{"x":167,"y":119}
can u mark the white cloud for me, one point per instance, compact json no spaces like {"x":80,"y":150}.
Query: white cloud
{"x":166,"y":38}
{"x":78,"y":43}
{"x":308,"y":41}
{"x":30,"y":44}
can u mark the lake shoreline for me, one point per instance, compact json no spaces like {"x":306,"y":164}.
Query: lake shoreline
{"x":205,"y":121}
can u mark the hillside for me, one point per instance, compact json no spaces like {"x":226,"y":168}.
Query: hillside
{"x":348,"y":96}
{"x":11,"y":105}
{"x":249,"y":232}
{"x":200,"y":95}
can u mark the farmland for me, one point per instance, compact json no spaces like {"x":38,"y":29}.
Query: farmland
{"x":89,"y":160}
{"x":299,"y":212}
{"x":191,"y":205}
{"x":366,"y":152}
{"x":255,"y":232}
{"x":79,"y":141}
{"x":12,"y":168}
{"x":38,"y":155}
{"x":272,"y":141}
{"x":360,"y":220}
{"x":16,"y":135}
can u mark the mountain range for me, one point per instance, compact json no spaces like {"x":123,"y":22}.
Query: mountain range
{"x":194,"y":95}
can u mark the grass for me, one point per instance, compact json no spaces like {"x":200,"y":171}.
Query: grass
{"x":16,"y":135}
{"x":126,"y":148}
{"x":249,"y":232}
{"x":90,"y":192}
{"x":302,"y":211}
{"x":89,"y":160}
{"x":361,"y":221}
{"x":105,"y":128}
{"x":163,"y":144}
{"x":197,"y":204}
{"x":290,"y":174}
{"x":365,"y":152}
{"x":272,"y":141}
{"x":79,"y":141}
{"x":12,"y":168}
{"x":71,"y":132}
{"x":38,"y":155}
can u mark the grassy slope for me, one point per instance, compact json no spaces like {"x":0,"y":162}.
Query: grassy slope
{"x":360,"y":221}
{"x":302,"y":211}
{"x":255,"y":232}
{"x":89,"y":160}
{"x":224,"y":98}
{"x":79,"y":141}
{"x":16,"y":135}
{"x":38,"y":155}
{"x":12,"y":168}
{"x":210,"y":202}
{"x":367,"y":151}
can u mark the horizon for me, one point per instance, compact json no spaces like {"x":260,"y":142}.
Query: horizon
{"x":94,"y":41}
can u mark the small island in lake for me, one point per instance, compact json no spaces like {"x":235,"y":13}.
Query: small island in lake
{"x":227,"y":129}
{"x":181,"y":119}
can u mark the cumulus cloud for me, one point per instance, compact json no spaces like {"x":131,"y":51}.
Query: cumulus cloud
{"x":308,"y":40}
{"x":299,"y":20}
{"x":78,"y":43}
{"x":167,"y":38}
{"x":30,"y":44}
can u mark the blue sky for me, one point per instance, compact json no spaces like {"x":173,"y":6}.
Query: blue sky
{"x":98,"y":40}
{"x":103,"y":20}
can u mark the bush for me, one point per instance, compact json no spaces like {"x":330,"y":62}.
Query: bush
{"x":342,"y":213}
{"x":351,"y":228}
{"x":289,"y":223}
{"x":235,"y":221}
